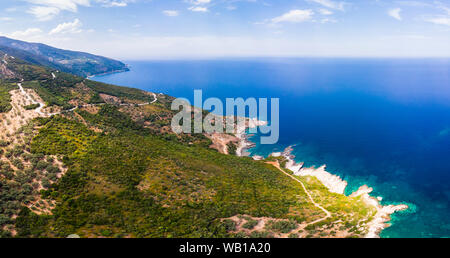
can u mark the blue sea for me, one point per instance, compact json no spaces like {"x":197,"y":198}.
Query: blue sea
{"x":380,"y":122}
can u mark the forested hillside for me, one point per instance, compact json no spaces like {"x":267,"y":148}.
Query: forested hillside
{"x":78,"y":63}
{"x":101,"y":161}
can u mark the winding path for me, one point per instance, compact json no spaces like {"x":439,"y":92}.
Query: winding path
{"x":328,"y":214}
{"x":154,"y":95}
{"x":42,"y":105}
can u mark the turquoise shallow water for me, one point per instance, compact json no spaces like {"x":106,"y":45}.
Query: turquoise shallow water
{"x":380,"y":122}
{"x":384,"y":190}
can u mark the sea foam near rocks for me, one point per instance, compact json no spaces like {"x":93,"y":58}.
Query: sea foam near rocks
{"x":337,"y":185}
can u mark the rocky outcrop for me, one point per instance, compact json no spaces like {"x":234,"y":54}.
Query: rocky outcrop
{"x":337,"y":185}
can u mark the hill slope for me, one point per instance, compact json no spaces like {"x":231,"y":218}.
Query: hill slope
{"x":78,"y":63}
{"x":101,"y":161}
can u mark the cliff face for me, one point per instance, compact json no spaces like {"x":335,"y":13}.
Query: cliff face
{"x":78,"y":63}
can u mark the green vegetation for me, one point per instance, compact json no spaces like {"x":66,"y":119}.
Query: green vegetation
{"x":110,"y":119}
{"x":261,"y":234}
{"x":24,"y":70}
{"x":20,"y":181}
{"x":79,"y":63}
{"x":281,"y":160}
{"x":229,"y":225}
{"x":5,"y":97}
{"x":231,"y":148}
{"x":281,"y":226}
{"x":126,"y":174}
{"x":138,"y":184}
{"x":293,"y":235}
{"x":352,"y":211}
{"x":55,"y":92}
{"x":120,"y":92}
{"x":62,"y":136}
{"x":250,"y":224}
{"x":31,"y":106}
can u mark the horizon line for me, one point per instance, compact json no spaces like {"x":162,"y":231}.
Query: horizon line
{"x":181,"y":58}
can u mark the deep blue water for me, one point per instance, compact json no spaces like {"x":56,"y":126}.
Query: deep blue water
{"x":381,"y":122}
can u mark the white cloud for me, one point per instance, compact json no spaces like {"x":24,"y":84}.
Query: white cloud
{"x":439,"y":20}
{"x":328,"y":20}
{"x":395,"y":13}
{"x":45,"y":10}
{"x":67,"y":27}
{"x":325,"y":12}
{"x":171,"y":13}
{"x":67,"y":5}
{"x":6,"y":19}
{"x":199,"y":5}
{"x":26,"y":33}
{"x":118,"y":4}
{"x":331,"y":4}
{"x":198,"y":9}
{"x":114,"y":3}
{"x":294,"y":16}
{"x":142,"y":47}
{"x":200,"y":2}
{"x":44,"y":13}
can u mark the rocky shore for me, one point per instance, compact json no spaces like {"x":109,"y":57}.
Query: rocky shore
{"x":334,"y":183}
{"x":244,"y":143}
{"x":337,"y":185}
{"x":383,"y":215}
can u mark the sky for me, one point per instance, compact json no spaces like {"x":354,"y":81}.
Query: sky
{"x":180,"y":29}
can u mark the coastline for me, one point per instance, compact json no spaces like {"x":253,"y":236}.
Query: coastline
{"x":127,"y":69}
{"x":244,"y":142}
{"x":333,"y":182}
{"x":393,"y":179}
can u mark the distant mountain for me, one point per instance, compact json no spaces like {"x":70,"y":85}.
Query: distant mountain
{"x":78,"y":63}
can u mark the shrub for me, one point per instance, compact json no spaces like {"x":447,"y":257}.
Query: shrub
{"x":231,"y":147}
{"x":293,"y":235}
{"x":41,"y":165}
{"x":18,"y":164}
{"x":229,"y":225}
{"x":281,"y":226}
{"x":261,"y":234}
{"x":32,"y":106}
{"x":3,"y":143}
{"x":250,"y":224}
